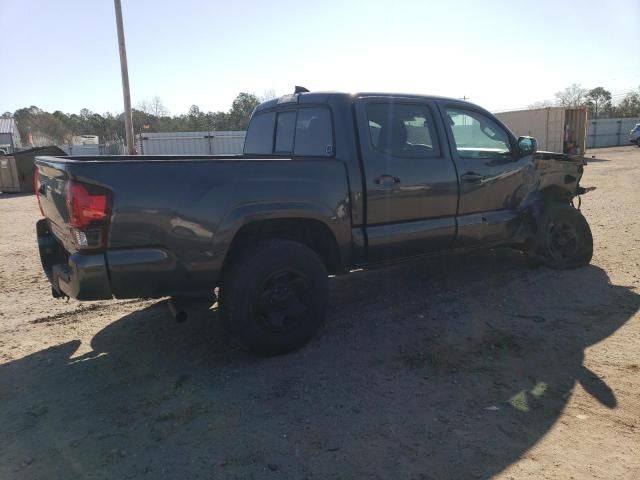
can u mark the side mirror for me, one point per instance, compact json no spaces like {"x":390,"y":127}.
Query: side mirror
{"x":527,"y":146}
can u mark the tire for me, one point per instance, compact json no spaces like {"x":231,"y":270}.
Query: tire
{"x":563,"y":239}
{"x":275,"y":296}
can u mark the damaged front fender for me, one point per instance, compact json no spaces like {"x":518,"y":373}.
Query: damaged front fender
{"x":559,"y":175}
{"x":557,"y":181}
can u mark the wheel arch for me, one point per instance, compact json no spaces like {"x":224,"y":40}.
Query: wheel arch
{"x":312,"y":232}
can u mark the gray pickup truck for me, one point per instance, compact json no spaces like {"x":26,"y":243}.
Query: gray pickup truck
{"x":328,"y":183}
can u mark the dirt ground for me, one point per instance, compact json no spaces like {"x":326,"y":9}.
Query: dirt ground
{"x":475,"y":367}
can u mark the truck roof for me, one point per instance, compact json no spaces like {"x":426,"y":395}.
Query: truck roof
{"x":324,"y":97}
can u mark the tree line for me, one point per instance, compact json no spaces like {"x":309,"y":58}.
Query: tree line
{"x":149,"y":116}
{"x":600,"y":102}
{"x":152,"y":116}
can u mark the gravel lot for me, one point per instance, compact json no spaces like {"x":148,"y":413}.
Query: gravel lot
{"x":474,"y":367}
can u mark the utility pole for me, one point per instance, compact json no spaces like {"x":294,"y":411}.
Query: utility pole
{"x":128,"y":118}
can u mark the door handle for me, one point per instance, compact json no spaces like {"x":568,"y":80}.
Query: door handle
{"x":386,"y":180}
{"x":472,"y":177}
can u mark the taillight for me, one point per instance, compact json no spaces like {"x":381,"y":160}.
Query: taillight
{"x":89,"y":211}
{"x":36,"y":189}
{"x":86,"y":208}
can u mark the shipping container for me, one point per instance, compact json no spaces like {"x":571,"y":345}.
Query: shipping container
{"x":16,"y":170}
{"x":557,"y":129}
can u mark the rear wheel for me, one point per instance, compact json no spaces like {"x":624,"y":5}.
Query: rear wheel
{"x":563,"y":239}
{"x":274,"y":296}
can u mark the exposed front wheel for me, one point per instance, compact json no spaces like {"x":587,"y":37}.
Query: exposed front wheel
{"x":275,"y":295}
{"x":563,"y":239}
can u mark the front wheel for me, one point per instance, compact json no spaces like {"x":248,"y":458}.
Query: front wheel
{"x":563,"y":239}
{"x":274,"y":296}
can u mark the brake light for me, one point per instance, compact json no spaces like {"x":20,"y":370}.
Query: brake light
{"x":86,"y":208}
{"x":36,"y":190}
{"x":89,"y":210}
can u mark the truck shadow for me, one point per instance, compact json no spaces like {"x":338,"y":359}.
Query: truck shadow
{"x":8,"y":195}
{"x":428,"y":370}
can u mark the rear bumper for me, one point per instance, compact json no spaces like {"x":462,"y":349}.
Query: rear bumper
{"x":121,"y":273}
{"x":84,"y":277}
{"x":78,"y":275}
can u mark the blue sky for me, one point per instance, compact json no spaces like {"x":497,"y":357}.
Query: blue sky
{"x":502,"y":54}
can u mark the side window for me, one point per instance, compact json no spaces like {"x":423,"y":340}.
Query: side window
{"x":285,"y":128}
{"x":477,"y":136}
{"x":259,"y":139}
{"x":402,"y":130}
{"x":314,"y":133}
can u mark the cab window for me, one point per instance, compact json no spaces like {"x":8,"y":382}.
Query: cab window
{"x":314,"y":133}
{"x":402,"y":130}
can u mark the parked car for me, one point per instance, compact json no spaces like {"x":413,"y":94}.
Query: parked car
{"x":328,"y":183}
{"x":634,"y":135}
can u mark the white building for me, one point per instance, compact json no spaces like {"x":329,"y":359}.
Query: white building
{"x":9,"y":135}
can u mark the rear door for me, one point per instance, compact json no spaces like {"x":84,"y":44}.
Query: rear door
{"x":494,"y":179}
{"x":411,"y":184}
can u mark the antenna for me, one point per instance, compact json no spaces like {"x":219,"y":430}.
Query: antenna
{"x":299,"y":89}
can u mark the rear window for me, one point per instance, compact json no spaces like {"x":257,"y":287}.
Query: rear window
{"x":307,"y":131}
{"x":285,"y":127}
{"x":259,"y":139}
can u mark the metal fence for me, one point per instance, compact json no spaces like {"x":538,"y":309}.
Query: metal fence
{"x":610,"y":132}
{"x":108,"y":148}
{"x":169,"y":143}
{"x":191,"y":143}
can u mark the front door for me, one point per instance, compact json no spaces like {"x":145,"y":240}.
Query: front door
{"x":494,"y":178}
{"x":411,"y":183}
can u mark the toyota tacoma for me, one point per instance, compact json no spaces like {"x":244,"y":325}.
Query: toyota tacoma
{"x":328,"y":183}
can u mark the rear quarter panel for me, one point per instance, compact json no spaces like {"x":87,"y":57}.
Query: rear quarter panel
{"x":191,"y":210}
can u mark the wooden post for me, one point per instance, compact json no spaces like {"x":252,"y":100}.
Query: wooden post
{"x":128,"y":117}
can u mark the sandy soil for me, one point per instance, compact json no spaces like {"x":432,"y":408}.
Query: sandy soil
{"x":479,"y":367}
